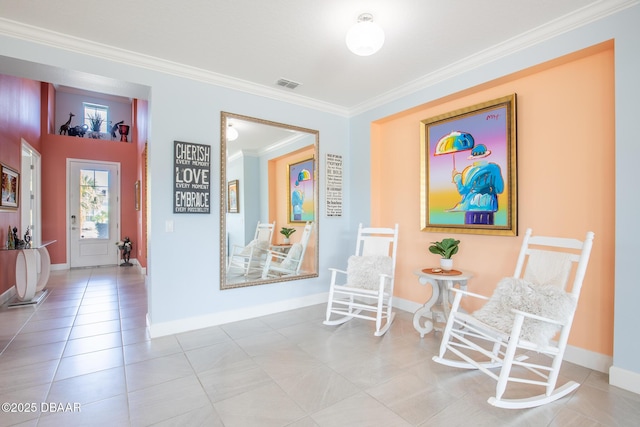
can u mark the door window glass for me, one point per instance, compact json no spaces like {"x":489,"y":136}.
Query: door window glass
{"x":94,"y":204}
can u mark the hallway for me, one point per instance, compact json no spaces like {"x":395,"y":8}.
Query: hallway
{"x":85,"y":350}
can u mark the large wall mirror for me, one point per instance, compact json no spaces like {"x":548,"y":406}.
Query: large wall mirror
{"x":268,"y":174}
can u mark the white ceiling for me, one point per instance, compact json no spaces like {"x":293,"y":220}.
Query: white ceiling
{"x":250,"y":44}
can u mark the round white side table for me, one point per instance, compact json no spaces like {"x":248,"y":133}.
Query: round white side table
{"x":436,"y":310}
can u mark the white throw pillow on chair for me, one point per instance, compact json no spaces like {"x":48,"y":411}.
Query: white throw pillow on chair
{"x":364,"y":271}
{"x":543,"y":300}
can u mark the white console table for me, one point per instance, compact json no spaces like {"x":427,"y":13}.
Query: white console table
{"x":33,"y":266}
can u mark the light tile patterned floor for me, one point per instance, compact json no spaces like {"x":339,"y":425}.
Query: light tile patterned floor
{"x":86,"y":345}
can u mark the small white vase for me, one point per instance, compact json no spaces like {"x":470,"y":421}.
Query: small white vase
{"x":446,"y":264}
{"x":286,"y":240}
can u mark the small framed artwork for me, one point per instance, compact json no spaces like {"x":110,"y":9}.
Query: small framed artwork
{"x":137,"y":194}
{"x":10,"y":188}
{"x":468,"y":177}
{"x":232,"y":197}
{"x":301,"y":191}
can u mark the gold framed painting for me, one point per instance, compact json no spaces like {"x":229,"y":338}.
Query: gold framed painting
{"x":468,"y":179}
{"x":302,"y":186}
{"x":10,"y":188}
{"x":233,"y":189}
{"x":137,"y":194}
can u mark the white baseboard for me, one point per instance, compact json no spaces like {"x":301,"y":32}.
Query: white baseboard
{"x":589,"y":359}
{"x":66,"y":266}
{"x":625,"y":379}
{"x":7,"y":295}
{"x":406,"y":305}
{"x":183,"y":325}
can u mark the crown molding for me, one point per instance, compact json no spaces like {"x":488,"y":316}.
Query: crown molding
{"x":577,"y":19}
{"x":564,"y":24}
{"x":57,"y":40}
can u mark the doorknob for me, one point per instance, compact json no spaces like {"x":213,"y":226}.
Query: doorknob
{"x":73,"y":219}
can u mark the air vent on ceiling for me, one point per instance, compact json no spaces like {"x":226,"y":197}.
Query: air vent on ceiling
{"x":287,"y":83}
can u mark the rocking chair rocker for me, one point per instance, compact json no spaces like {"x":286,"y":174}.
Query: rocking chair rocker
{"x":525,"y":312}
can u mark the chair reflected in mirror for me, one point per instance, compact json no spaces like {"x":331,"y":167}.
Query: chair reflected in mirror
{"x":365,"y":289}
{"x":520,"y":335}
{"x":280,"y":264}
{"x":250,"y":259}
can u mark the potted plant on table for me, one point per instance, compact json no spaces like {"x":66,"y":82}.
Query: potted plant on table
{"x":446,"y":248}
{"x":287,"y":232}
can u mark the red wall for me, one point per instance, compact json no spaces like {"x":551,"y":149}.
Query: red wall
{"x":19,"y":118}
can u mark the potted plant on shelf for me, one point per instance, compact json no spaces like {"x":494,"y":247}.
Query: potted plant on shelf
{"x":96,"y":124}
{"x":446,"y":248}
{"x":287,"y":232}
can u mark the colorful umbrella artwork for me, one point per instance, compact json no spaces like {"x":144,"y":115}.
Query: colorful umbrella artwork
{"x":303,"y":175}
{"x":454,"y":142}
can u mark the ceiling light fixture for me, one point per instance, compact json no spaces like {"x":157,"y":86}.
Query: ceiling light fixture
{"x":232,"y":134}
{"x":365,"y":37}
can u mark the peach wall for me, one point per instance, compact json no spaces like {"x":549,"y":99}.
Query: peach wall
{"x":565,"y":127}
{"x":279,"y":201}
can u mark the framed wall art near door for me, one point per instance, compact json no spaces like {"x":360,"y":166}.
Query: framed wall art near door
{"x":233,"y":189}
{"x":468,"y":173}
{"x":301,"y":191}
{"x":10,"y":188}
{"x":137,"y":195}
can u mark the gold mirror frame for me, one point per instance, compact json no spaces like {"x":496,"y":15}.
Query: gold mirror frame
{"x":312,"y":248}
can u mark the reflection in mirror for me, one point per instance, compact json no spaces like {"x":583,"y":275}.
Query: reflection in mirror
{"x":268,"y":176}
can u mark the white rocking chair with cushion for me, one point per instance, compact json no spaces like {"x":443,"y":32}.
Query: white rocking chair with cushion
{"x":365,"y":290}
{"x":524,"y":314}
{"x":279,"y":264}
{"x":251,"y":258}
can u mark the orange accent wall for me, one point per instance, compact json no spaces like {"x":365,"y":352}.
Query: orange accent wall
{"x":279,"y":201}
{"x":565,"y":149}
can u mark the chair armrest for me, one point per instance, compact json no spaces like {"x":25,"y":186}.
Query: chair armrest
{"x":467,"y":293}
{"x":536,"y":317}
{"x":337,"y":270}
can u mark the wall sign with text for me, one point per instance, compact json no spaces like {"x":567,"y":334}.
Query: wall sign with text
{"x":334,"y":185}
{"x":192,"y":180}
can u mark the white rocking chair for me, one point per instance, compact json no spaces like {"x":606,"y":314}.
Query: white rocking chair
{"x":367,"y":285}
{"x":525,"y":312}
{"x":251,"y":258}
{"x":279,"y":264}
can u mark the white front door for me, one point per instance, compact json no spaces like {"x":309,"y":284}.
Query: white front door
{"x":94,"y":212}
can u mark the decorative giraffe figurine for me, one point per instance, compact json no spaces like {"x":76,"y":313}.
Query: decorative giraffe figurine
{"x":65,"y":127}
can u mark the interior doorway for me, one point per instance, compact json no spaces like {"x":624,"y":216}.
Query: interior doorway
{"x":93,"y":212}
{"x":30,"y":195}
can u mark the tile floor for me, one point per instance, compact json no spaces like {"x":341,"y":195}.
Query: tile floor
{"x":85,"y":347}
